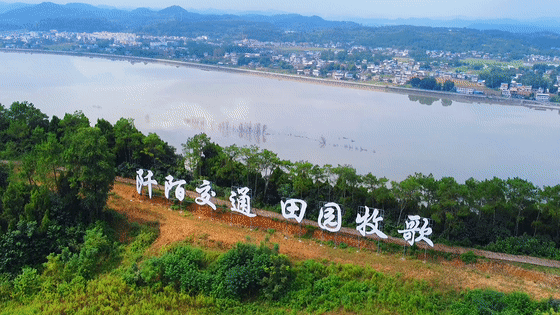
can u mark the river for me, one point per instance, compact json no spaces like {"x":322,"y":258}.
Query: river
{"x":389,"y":135}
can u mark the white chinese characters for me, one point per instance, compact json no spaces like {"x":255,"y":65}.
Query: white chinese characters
{"x":205,"y":191}
{"x":413,"y":227}
{"x":145,"y":181}
{"x":330,"y":217}
{"x":241,"y":202}
{"x":293,"y":209}
{"x":368,"y":220}
{"x":368,"y":225}
{"x":179,"y":191}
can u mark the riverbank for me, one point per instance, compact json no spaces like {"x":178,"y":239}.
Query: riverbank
{"x":463,"y":98}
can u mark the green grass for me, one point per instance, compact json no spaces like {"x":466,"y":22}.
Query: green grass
{"x":147,"y":284}
{"x":496,"y":63}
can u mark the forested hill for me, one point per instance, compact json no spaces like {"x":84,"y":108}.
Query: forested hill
{"x":69,"y":17}
{"x":63,"y":249}
{"x":174,"y":20}
{"x":66,"y":169}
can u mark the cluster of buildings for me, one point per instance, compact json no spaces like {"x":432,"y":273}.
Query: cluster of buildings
{"x":518,"y":90}
{"x":342,"y":62}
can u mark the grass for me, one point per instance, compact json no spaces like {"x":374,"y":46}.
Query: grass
{"x":543,"y":269}
{"x":320,"y":286}
{"x":496,"y":63}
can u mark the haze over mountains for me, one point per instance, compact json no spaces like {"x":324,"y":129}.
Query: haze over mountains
{"x":47,"y":14}
{"x":56,"y":16}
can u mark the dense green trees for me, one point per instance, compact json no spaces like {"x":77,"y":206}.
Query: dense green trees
{"x":496,"y":76}
{"x":64,"y":170}
{"x":430,"y":83}
{"x":476,"y":212}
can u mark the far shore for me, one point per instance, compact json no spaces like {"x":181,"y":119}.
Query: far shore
{"x":463,"y":98}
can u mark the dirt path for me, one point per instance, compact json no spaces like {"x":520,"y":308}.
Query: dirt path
{"x":216,"y":229}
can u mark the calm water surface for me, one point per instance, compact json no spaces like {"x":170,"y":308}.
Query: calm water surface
{"x":387,"y":134}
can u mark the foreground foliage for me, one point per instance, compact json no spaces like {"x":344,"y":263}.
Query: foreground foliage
{"x":114,"y":279}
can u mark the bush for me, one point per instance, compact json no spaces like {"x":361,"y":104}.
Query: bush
{"x":244,"y":271}
{"x":26,"y":284}
{"x":491,"y":302}
{"x":182,"y":267}
{"x":525,"y":245}
{"x":469,"y":257}
{"x":91,"y":259}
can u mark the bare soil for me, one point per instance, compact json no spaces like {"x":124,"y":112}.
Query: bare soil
{"x":223,"y":229}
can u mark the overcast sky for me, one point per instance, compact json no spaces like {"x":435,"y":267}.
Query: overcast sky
{"x":515,"y":9}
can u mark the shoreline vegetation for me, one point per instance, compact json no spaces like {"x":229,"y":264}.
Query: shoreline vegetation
{"x":463,"y":98}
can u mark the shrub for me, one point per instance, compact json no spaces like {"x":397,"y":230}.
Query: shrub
{"x":469,"y":257}
{"x":491,"y":302}
{"x":91,"y":259}
{"x":247,"y":269}
{"x":182,"y":267}
{"x":26,"y":284}
{"x":525,"y":245}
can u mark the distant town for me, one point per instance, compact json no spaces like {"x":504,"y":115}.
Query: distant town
{"x":534,"y":77}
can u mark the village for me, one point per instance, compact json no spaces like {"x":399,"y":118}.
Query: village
{"x":335,"y":61}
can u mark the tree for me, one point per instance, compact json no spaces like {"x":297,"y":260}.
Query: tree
{"x":248,"y":157}
{"x":156,"y":153}
{"x":193,"y":152}
{"x":450,"y":209}
{"x":428,"y":83}
{"x":72,"y":122}
{"x":534,"y":80}
{"x":128,"y":141}
{"x":48,"y":158}
{"x":266,"y":161}
{"x":448,"y":85}
{"x":14,"y":200}
{"x":90,"y":169}
{"x":107,"y":130}
{"x":347,"y":180}
{"x":495,"y":77}
{"x":301,"y":179}
{"x":521,"y":194}
{"x":4,"y":124}
{"x":550,"y":206}
{"x":415,"y":82}
{"x":27,"y":113}
{"x":406,"y":193}
{"x":25,"y":125}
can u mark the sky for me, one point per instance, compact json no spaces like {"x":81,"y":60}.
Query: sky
{"x":514,"y":9}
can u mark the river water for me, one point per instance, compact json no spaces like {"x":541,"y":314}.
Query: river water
{"x":386,"y":134}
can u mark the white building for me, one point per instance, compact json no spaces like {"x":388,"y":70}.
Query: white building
{"x":542,"y":97}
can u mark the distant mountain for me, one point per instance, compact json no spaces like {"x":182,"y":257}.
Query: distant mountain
{"x":508,"y":25}
{"x":296,"y":22}
{"x":5,"y":7}
{"x":75,"y":16}
{"x":237,"y":12}
{"x":48,"y":10}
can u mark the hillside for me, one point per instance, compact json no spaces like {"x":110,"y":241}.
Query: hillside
{"x":221,"y":230}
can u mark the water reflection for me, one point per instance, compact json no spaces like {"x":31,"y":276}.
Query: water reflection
{"x":427,"y":100}
{"x":258,"y":132}
{"x":244,"y":130}
{"x":424,"y":100}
